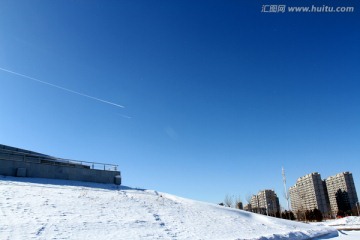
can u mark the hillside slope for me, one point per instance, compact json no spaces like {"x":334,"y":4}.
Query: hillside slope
{"x":54,"y":209}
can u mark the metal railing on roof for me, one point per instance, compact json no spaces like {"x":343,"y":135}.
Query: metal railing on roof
{"x":33,"y":157}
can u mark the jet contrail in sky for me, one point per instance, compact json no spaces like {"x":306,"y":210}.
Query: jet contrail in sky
{"x":62,"y":88}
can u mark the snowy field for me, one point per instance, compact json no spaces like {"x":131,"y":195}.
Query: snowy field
{"x":349,"y":227}
{"x":56,"y":209}
{"x":348,"y":235}
{"x":345,"y":223}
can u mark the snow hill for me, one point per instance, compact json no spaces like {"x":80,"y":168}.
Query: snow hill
{"x":57,"y":209}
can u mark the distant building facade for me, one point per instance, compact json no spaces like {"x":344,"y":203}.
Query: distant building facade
{"x":342,"y":192}
{"x":308,"y":193}
{"x":19,"y":162}
{"x":265,"y":202}
{"x":247,"y":207}
{"x":294,"y":199}
{"x":255,"y":206}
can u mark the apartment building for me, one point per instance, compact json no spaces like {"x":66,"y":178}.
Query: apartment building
{"x":265,"y":202}
{"x":341,"y":191}
{"x":308,"y":193}
{"x":254,"y":203}
{"x":294,"y":199}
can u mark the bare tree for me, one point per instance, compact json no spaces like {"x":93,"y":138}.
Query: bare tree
{"x":229,"y":200}
{"x":249,"y":207}
{"x":303,"y":204}
{"x":248,"y":198}
{"x":238,"y":202}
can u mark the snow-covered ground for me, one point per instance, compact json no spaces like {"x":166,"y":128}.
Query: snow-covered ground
{"x":349,"y":227}
{"x":56,"y":209}
{"x":345,"y":223}
{"x":348,"y":235}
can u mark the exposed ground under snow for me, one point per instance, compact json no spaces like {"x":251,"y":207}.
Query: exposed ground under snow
{"x":56,"y":209}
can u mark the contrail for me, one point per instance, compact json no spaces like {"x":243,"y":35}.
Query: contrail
{"x":62,"y":88}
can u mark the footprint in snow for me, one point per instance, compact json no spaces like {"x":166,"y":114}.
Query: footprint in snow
{"x":40,"y":231}
{"x":157,"y":218}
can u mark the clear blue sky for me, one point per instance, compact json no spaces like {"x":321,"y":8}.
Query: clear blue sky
{"x":218,"y":96}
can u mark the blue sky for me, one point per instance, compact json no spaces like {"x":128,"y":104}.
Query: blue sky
{"x":218,"y":96}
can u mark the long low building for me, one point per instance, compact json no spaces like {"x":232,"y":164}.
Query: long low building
{"x":19,"y":162}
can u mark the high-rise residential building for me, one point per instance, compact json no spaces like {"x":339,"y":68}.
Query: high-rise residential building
{"x":309,"y":193}
{"x":269,"y":200}
{"x":342,"y":192}
{"x":295,"y":200}
{"x":265,"y":202}
{"x":255,"y":207}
